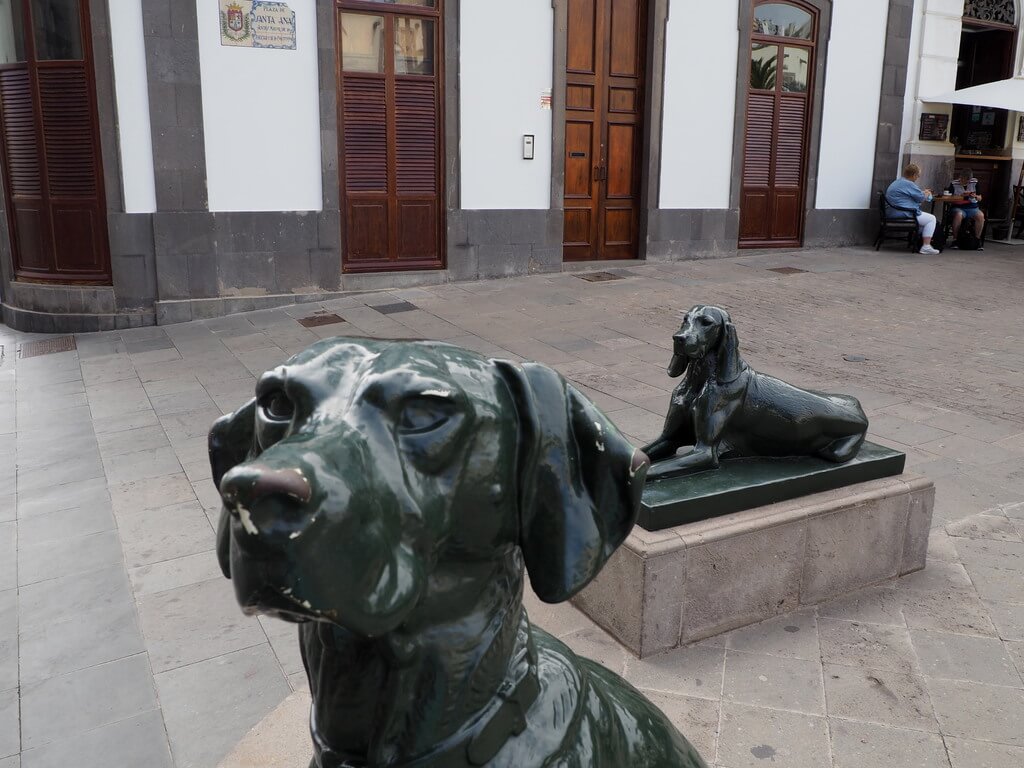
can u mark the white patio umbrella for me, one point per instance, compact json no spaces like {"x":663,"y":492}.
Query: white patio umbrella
{"x":1002,"y":94}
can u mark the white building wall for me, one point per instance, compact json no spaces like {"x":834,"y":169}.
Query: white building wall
{"x":261,"y":117}
{"x":935,"y":48}
{"x":702,"y":43}
{"x":849,"y":124}
{"x":135,"y":137}
{"x":505,"y":68}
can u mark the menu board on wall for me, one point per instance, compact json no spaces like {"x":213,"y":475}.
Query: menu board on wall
{"x":934,"y":127}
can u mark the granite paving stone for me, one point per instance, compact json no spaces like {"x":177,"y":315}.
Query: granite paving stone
{"x":136,"y":741}
{"x":208,"y":707}
{"x":8,"y":639}
{"x":697,"y":671}
{"x":10,"y":726}
{"x":793,"y":635}
{"x":156,"y":535}
{"x":195,"y":623}
{"x":65,"y":706}
{"x":171,"y":574}
{"x":69,"y":557}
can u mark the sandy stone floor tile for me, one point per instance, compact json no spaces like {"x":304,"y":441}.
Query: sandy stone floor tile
{"x":886,"y":697}
{"x":871,"y":646}
{"x":794,"y":635}
{"x":859,"y":745}
{"x":752,"y":737}
{"x":966,"y":753}
{"x":983,"y":712}
{"x":778,"y":683}
{"x":961,"y":657}
{"x":694,"y":671}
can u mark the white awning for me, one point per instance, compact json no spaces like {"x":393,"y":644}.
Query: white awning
{"x":1002,"y":94}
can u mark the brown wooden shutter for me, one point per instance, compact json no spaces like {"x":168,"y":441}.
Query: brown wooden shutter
{"x":365,"y":134}
{"x":416,"y":153}
{"x":757,"y":166}
{"x":21,"y":156}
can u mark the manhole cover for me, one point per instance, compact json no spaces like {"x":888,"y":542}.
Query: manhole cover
{"x":47,"y":347}
{"x":319,"y":320}
{"x":855,"y":358}
{"x":394,"y":309}
{"x":599,"y":277}
{"x":789,"y":271}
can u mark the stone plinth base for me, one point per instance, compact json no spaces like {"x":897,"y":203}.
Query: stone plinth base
{"x":674,"y":587}
{"x":281,"y":740}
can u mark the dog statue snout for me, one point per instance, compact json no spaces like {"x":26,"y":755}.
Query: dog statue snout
{"x":248,"y":484}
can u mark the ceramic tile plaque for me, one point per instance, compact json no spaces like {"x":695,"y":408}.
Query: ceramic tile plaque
{"x":257,"y":24}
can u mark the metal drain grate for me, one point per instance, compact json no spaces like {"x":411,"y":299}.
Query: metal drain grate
{"x":320,"y":319}
{"x":394,"y":309}
{"x":47,"y":347}
{"x":599,"y":277}
{"x":789,"y":271}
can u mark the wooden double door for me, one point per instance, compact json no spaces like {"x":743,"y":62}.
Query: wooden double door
{"x":50,"y":140}
{"x":777,"y":129}
{"x":604,"y":108}
{"x":391,"y":139}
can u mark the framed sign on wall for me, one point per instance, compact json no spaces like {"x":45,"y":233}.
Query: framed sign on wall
{"x":934,"y":127}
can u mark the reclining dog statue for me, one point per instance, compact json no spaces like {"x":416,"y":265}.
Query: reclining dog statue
{"x":724,"y":409}
{"x":387,"y":497}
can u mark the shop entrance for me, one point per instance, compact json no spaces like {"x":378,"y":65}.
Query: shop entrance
{"x":56,"y":208}
{"x":779,"y":109}
{"x":604,"y":108}
{"x":390,"y":137}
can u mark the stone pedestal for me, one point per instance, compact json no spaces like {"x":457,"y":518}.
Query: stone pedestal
{"x":281,"y":740}
{"x":676,"y":586}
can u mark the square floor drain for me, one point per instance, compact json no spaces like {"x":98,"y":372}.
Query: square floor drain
{"x":318,"y":321}
{"x":599,"y":277}
{"x":789,"y":271}
{"x":394,"y":309}
{"x":47,"y":347}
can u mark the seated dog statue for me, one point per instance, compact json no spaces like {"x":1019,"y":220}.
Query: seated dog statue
{"x":387,"y":497}
{"x":726,"y":410}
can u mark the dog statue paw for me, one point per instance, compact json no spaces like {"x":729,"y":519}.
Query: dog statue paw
{"x":389,"y":498}
{"x":724,"y":409}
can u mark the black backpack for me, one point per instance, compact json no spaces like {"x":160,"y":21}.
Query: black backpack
{"x":967,"y":238}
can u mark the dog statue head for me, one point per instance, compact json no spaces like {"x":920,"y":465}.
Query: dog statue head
{"x":706,"y":329}
{"x":363,"y":469}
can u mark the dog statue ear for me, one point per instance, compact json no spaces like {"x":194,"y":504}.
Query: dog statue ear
{"x":231,"y":441}
{"x":730,"y":365}
{"x":580,"y":482}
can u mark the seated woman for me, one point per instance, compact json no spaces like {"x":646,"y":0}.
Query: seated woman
{"x":903,"y":199}
{"x":965,"y":188}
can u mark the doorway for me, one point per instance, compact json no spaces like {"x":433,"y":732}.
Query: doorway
{"x":390,"y":60}
{"x":604,"y":108}
{"x":49,"y":132}
{"x":780,"y":90}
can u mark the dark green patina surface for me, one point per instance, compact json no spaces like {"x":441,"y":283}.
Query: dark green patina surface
{"x":390,"y":498}
{"x":740,"y":484}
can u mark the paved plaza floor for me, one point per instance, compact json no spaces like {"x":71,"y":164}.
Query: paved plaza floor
{"x":122,"y":646}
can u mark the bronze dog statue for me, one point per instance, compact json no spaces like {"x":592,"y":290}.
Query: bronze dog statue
{"x":724,"y":409}
{"x":386,"y":496}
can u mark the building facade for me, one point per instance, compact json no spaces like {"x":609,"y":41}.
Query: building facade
{"x":164,"y":161}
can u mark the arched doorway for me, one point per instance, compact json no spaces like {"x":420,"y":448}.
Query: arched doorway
{"x":780,"y":88}
{"x":52,"y":167}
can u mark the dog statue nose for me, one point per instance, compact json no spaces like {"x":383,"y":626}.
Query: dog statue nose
{"x":252,"y":483}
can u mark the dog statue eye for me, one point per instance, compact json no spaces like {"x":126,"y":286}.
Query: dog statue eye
{"x":706,"y":321}
{"x":277,"y":406}
{"x":424,"y":415}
